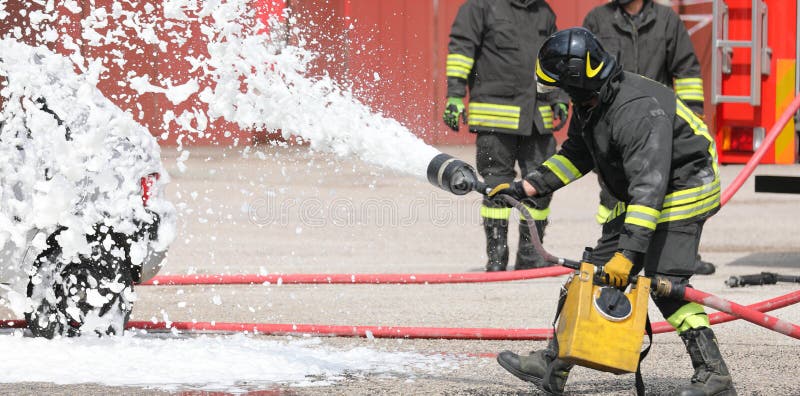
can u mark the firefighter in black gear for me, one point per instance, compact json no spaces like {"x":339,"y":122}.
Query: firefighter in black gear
{"x":657,"y":157}
{"x":493,"y":46}
{"x":648,"y":39}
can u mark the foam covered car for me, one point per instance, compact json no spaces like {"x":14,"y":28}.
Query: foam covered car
{"x":82,"y":210}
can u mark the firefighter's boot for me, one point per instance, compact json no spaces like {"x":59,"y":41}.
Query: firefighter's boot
{"x":496,"y":244}
{"x":711,"y":376}
{"x":703,"y":267}
{"x":539,"y":367}
{"x":527,"y":256}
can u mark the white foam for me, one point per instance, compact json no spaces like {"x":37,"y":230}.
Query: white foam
{"x":225,"y":363}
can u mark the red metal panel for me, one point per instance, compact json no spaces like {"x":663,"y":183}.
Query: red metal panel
{"x":730,"y":117}
{"x":390,"y":59}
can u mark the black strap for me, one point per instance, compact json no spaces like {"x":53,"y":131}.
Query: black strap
{"x":642,"y":355}
{"x":562,"y":298}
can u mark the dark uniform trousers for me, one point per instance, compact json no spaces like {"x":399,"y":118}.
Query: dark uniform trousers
{"x":672,"y":253}
{"x":496,"y":155}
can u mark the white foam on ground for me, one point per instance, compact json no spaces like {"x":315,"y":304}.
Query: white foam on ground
{"x":235,"y":363}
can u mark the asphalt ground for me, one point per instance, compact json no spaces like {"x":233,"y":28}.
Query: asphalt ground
{"x":289,"y":210}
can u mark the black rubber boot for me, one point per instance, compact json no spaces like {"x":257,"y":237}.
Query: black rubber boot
{"x":527,"y":257}
{"x":539,"y":367}
{"x":704,"y":267}
{"x":711,"y":376}
{"x":496,"y":244}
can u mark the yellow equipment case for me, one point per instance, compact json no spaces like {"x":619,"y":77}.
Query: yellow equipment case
{"x":600,"y":326}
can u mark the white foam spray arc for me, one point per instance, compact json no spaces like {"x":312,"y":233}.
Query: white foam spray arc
{"x":278,"y":95}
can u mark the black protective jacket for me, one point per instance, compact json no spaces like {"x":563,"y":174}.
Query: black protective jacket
{"x":653,"y":43}
{"x":651,"y":152}
{"x":493,"y":48}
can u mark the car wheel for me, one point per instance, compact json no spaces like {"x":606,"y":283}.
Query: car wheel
{"x":91,"y":296}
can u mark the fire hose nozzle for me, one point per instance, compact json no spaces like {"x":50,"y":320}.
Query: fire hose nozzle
{"x":454,"y":175}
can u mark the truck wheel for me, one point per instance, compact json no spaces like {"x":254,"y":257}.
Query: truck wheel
{"x":92,"y":295}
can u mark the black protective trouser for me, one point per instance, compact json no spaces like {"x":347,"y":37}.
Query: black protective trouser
{"x":672,"y":253}
{"x":497,"y":153}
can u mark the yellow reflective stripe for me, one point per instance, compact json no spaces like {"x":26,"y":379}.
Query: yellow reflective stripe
{"x":538,"y":214}
{"x":690,"y":195}
{"x":457,"y":72}
{"x":493,"y":122}
{"x":495,"y":213}
{"x":691,"y":82}
{"x":464,"y":60}
{"x":689,"y":316}
{"x":698,"y":97}
{"x":547,"y":116}
{"x":495,"y":109}
{"x":604,"y":214}
{"x":494,"y":115}
{"x":683,"y":212}
{"x":699,"y":128}
{"x":642,"y":216}
{"x":459,"y":65}
{"x":562,"y":168}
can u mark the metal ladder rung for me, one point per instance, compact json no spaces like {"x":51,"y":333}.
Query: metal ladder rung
{"x":733,"y":98}
{"x":734,"y":44}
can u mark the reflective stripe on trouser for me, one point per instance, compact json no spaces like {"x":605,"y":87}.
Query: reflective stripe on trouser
{"x":690,"y":89}
{"x":459,"y":66}
{"x":689,"y":316}
{"x":537,"y":214}
{"x":488,"y":212}
{"x":494,"y":115}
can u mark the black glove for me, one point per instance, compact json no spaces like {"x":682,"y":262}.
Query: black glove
{"x":514,"y":190}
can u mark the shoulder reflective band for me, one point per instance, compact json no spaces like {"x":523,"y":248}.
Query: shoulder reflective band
{"x":689,"y":88}
{"x":562,"y":168}
{"x":689,"y":316}
{"x":547,"y":116}
{"x":642,"y":216}
{"x":459,"y":65}
{"x":699,"y":128}
{"x":495,"y":213}
{"x":493,"y":115}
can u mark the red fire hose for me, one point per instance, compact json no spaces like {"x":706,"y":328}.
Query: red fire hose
{"x":251,"y":279}
{"x":769,"y":139}
{"x":423,"y":332}
{"x":742,"y":312}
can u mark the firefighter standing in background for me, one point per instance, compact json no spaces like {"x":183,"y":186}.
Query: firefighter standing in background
{"x":653,"y":153}
{"x":648,"y":39}
{"x":492,"y":50}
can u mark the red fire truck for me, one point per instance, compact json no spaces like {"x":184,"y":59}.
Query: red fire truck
{"x":754,"y":77}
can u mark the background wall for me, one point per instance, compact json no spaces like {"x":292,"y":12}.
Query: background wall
{"x":392,"y":53}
